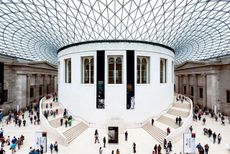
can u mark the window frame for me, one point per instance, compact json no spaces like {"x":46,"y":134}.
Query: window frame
{"x":91,"y":67}
{"x":115,"y":77}
{"x":139,"y":70}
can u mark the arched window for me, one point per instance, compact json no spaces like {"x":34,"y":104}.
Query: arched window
{"x":111,"y":70}
{"x":118,"y":70}
{"x":87,"y":70}
{"x":142,"y":70}
{"x":115,"y":70}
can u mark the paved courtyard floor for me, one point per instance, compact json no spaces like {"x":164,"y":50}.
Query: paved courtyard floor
{"x":84,"y":144}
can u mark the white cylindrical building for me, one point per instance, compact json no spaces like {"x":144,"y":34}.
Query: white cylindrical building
{"x":126,"y":80}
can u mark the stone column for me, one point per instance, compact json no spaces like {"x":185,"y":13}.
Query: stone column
{"x":36,"y":91}
{"x":45,"y":84}
{"x":28,"y":89}
{"x":195,"y":89}
{"x":187,"y":84}
{"x":180,"y":84}
{"x":52,"y":83}
{"x":204,"y":78}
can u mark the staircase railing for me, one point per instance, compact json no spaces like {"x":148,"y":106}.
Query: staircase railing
{"x":176,"y":134}
{"x":51,"y":131}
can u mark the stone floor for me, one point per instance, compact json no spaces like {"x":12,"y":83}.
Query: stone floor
{"x":84,"y":144}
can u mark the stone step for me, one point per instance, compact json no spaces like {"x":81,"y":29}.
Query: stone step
{"x":75,"y":131}
{"x":56,"y":122}
{"x":180,"y":109}
{"x":178,"y":112}
{"x":168,"y":121}
{"x":182,"y":105}
{"x":155,"y":132}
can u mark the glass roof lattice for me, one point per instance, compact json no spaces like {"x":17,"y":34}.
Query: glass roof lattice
{"x":36,"y":29}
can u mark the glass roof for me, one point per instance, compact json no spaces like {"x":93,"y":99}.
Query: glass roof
{"x":36,"y":29}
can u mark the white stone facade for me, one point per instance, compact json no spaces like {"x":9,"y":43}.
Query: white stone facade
{"x":150,"y":99}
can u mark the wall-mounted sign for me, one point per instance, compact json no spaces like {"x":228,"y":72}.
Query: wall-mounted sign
{"x":130,"y":79}
{"x":112,"y":134}
{"x":41,"y":140}
{"x":189,"y":143}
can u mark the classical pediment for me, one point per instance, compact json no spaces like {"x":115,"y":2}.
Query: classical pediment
{"x":42,"y":64}
{"x":190,"y":64}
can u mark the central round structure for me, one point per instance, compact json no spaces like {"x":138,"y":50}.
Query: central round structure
{"x":126,"y":80}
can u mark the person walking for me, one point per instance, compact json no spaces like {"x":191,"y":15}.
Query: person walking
{"x":179,"y":120}
{"x":100,"y":150}
{"x":159,"y":149}
{"x":165,"y":143}
{"x":176,"y":120}
{"x":61,"y":121}
{"x":104,"y":141}
{"x":112,"y":152}
{"x":66,"y":123}
{"x":126,"y":135}
{"x":134,"y":147}
{"x":51,"y":147}
{"x":24,"y":122}
{"x":155,"y":149}
{"x":56,"y":146}
{"x":2,"y":151}
{"x":191,"y":129}
{"x":152,"y":122}
{"x":169,"y":146}
{"x":219,"y":138}
{"x":168,"y":131}
{"x":96,"y":139}
{"x":204,"y":120}
{"x":206,"y":148}
{"x":118,"y":151}
{"x":214,"y":137}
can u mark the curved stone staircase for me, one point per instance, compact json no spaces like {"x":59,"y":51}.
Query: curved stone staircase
{"x":168,"y":119}
{"x":66,"y":134}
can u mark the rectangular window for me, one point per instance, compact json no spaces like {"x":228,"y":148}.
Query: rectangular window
{"x":228,"y":96}
{"x":40,"y":90}
{"x":163,"y":63}
{"x":192,"y":91}
{"x":185,"y":90}
{"x":87,"y":64}
{"x":201,"y":92}
{"x":68,"y":70}
{"x":31,"y":92}
{"x":143,"y":70}
{"x":115,"y":69}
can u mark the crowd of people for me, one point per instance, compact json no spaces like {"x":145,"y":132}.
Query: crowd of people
{"x":198,"y":115}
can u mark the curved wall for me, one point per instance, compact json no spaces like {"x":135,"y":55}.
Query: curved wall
{"x":150,"y":99}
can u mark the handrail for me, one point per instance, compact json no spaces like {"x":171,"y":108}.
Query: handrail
{"x":73,"y":115}
{"x":175,"y":134}
{"x":159,"y":115}
{"x":51,"y":130}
